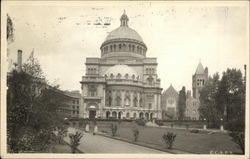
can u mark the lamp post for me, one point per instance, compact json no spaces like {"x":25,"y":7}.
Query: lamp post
{"x":221,"y":126}
{"x":205,"y":125}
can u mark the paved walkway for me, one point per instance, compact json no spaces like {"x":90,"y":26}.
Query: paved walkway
{"x":99,"y":144}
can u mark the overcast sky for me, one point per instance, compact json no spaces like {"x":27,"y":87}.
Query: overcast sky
{"x":178,"y":35}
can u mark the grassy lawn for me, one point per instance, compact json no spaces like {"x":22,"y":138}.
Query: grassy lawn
{"x":201,"y":143}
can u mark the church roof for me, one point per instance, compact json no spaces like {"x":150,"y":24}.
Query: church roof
{"x":199,"y":69}
{"x":171,"y":92}
{"x":124,"y":31}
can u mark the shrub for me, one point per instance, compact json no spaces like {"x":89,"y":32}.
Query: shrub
{"x":194,"y":131}
{"x":140,"y":122}
{"x":239,"y":138}
{"x":113,"y":129}
{"x":169,"y":138}
{"x":75,"y":141}
{"x":136,"y":134}
{"x":62,"y":132}
{"x":237,"y":132}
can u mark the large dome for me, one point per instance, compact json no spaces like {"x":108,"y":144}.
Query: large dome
{"x":124,"y":33}
{"x":124,"y":71}
{"x":123,"y":42}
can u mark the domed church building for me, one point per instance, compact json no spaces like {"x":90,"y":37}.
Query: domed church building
{"x":123,"y":82}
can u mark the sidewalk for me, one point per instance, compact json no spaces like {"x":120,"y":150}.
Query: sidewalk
{"x":99,"y":144}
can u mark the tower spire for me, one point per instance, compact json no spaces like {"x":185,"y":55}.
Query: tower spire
{"x":124,"y":19}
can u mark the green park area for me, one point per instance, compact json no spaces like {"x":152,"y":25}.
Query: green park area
{"x":186,"y":141}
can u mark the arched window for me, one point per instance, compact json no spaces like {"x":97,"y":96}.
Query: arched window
{"x":126,"y":76}
{"x":111,"y":76}
{"x":114,"y":115}
{"x":129,"y":47}
{"x":114,"y":47}
{"x":137,"y":48}
{"x":134,"y":115}
{"x":107,"y":114}
{"x":127,"y":115}
{"x":119,"y":76}
{"x":133,"y":77}
{"x":141,"y":115}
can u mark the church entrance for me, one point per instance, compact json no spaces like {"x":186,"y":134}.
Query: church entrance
{"x":92,"y":114}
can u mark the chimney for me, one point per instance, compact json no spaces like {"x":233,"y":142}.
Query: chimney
{"x":19,"y":60}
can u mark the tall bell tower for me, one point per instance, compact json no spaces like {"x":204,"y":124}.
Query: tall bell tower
{"x":199,"y":78}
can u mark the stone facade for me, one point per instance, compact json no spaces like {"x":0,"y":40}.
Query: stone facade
{"x":169,"y":102}
{"x":123,"y":83}
{"x":192,"y":103}
{"x":192,"y":107}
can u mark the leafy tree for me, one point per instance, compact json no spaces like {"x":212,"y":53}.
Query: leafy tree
{"x":75,"y":141}
{"x":225,"y":99}
{"x":209,"y":108}
{"x":182,"y":103}
{"x":231,"y":95}
{"x":10,"y":30}
{"x":31,"y":109}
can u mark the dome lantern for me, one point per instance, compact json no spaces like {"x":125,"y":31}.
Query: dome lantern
{"x":124,"y":19}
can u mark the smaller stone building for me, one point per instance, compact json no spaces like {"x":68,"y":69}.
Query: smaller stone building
{"x":72,"y":103}
{"x":169,"y":102}
{"x":192,"y":102}
{"x":192,"y":107}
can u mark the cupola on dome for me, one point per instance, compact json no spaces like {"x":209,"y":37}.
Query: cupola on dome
{"x":124,"y":31}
